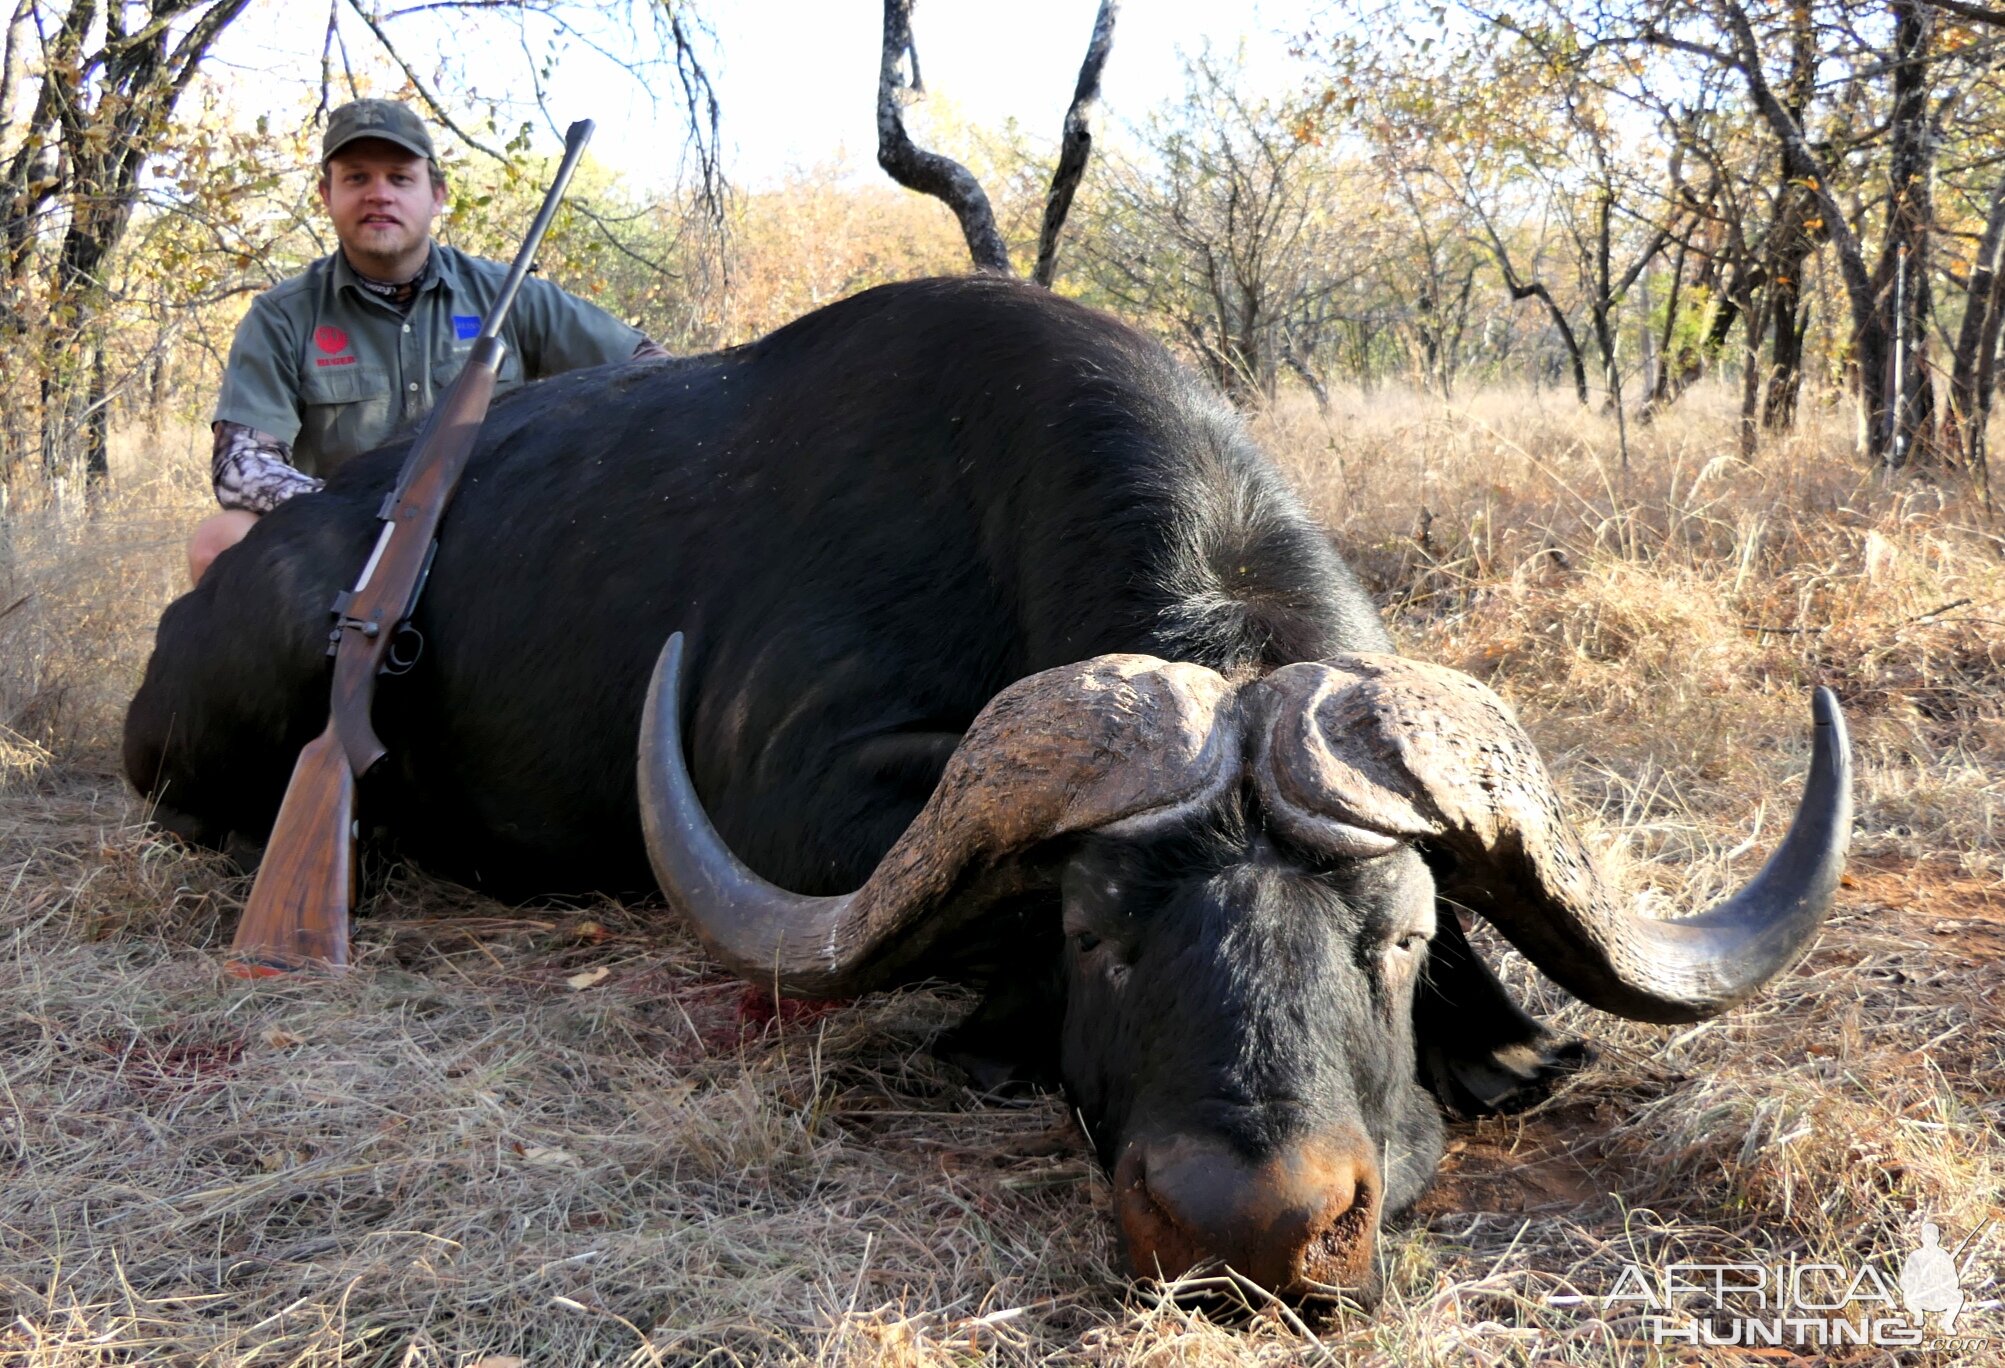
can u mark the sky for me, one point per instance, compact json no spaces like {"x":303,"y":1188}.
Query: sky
{"x":797,"y":79}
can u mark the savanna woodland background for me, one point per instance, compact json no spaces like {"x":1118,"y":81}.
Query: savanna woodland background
{"x":1641,"y":355}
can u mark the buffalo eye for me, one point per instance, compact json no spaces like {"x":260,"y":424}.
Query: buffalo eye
{"x":1412,"y":943}
{"x":1098,"y":956}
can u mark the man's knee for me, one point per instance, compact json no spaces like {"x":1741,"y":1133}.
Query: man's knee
{"x":214,"y":535}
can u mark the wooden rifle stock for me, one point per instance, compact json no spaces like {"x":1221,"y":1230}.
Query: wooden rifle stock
{"x":298,"y":911}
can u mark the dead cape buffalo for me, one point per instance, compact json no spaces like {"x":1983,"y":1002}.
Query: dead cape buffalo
{"x":1008,"y":658}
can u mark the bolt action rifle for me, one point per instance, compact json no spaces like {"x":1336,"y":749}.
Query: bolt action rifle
{"x":305,"y":888}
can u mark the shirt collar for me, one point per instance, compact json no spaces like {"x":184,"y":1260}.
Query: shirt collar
{"x":437,"y":271}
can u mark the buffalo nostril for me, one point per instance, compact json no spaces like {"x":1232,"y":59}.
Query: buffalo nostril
{"x":1300,"y":1220}
{"x":1338,"y":1253}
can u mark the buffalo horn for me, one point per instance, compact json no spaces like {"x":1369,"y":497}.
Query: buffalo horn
{"x":1120,"y":738}
{"x":1428,"y":754}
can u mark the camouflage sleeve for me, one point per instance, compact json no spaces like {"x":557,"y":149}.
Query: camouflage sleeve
{"x":253,"y":470}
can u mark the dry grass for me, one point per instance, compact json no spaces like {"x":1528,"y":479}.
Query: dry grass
{"x":455,"y":1155}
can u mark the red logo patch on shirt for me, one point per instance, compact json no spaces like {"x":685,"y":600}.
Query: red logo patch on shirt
{"x":330,"y":340}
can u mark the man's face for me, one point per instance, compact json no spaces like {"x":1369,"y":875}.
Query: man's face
{"x":382,"y":201}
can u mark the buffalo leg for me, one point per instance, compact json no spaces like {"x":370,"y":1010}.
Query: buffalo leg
{"x":1480,"y":1052}
{"x":1010,"y":1042}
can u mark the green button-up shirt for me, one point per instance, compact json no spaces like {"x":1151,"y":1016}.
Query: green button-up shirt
{"x":326,"y":365}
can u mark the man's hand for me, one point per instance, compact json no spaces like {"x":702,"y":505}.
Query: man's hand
{"x":214,"y":535}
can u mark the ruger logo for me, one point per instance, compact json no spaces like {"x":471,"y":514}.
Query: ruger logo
{"x":330,"y":341}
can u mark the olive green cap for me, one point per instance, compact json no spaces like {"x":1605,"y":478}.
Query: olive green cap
{"x":385,"y":119}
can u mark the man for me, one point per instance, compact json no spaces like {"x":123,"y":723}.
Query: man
{"x":363,"y":342}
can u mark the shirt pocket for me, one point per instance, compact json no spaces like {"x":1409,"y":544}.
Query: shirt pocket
{"x":344,"y":385}
{"x":446,"y":371}
{"x":343,"y":412}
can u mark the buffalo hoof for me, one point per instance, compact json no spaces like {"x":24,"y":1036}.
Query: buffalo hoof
{"x":999,"y":1077}
{"x":1008,"y":1045}
{"x":993,"y":1066}
{"x":1502,"y":1079}
{"x":243,"y":852}
{"x":186,"y":826}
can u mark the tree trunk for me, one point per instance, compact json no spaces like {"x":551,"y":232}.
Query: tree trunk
{"x":1253,"y":371}
{"x":1574,"y":357}
{"x":1976,"y":357}
{"x":1602,"y":316}
{"x":1602,"y":308}
{"x":13,"y":70}
{"x":1977,"y":440}
{"x":97,"y":424}
{"x":1458,"y":326}
{"x":1789,"y":320}
{"x":1427,"y":331}
{"x":96,"y":117}
{"x":1868,"y":294}
{"x":1294,"y":361}
{"x":1750,"y":376}
{"x":1791,"y":240}
{"x":1906,"y":403}
{"x":1667,"y":348}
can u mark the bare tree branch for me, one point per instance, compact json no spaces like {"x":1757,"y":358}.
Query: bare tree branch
{"x":1976,"y":14}
{"x":1077,"y":145}
{"x":320,"y":111}
{"x":425,"y":92}
{"x":929,"y":173}
{"x":514,"y":6}
{"x":699,"y":98}
{"x":604,"y":224}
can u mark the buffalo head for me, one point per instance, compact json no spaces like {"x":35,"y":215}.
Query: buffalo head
{"x":1249,"y":875}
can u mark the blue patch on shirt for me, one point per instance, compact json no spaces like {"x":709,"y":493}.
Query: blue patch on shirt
{"x":466,"y":327}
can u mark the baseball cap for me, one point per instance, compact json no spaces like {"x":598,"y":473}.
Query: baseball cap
{"x":385,"y":119}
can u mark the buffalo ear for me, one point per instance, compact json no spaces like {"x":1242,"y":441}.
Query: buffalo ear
{"x":1479,"y":1052}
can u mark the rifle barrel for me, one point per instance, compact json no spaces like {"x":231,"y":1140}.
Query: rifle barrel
{"x":575,"y":139}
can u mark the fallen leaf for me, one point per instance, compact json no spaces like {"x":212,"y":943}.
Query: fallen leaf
{"x":499,"y":1361}
{"x":589,"y":977}
{"x":548,"y":1156}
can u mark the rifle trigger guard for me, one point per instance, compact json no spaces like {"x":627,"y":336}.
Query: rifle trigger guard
{"x":406,"y":645}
